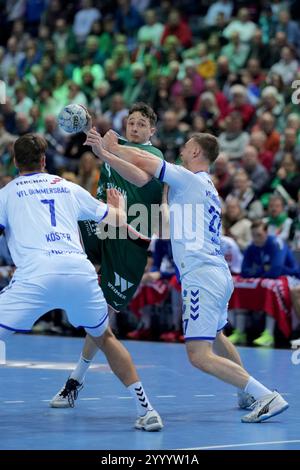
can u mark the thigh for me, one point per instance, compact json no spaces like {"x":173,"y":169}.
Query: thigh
{"x":22,"y":303}
{"x":122,"y":267}
{"x":205,"y":294}
{"x":83,"y":301}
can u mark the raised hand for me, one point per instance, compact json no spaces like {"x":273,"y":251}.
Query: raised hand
{"x":94,"y":139}
{"x":110,"y":140}
{"x":89,"y":123}
{"x":115,"y":199}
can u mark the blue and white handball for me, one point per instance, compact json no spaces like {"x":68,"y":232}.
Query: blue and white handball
{"x":73,"y":118}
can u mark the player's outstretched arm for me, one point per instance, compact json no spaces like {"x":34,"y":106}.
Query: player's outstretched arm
{"x":130,"y":171}
{"x":136,"y":156}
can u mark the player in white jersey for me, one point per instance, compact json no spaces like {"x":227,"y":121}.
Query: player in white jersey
{"x":39,"y":214}
{"x":195,"y":224}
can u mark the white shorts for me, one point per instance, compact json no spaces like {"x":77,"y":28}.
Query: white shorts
{"x":22,"y":303}
{"x":205,"y":294}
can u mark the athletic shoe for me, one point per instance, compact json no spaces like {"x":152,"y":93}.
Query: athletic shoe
{"x":268,"y":406}
{"x":66,"y":397}
{"x":238,"y":337}
{"x":151,"y":421}
{"x":266,"y":340}
{"x":245,"y":400}
{"x":295,"y":343}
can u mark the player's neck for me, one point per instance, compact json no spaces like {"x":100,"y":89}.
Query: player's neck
{"x":30,"y":172}
{"x":196,"y":167}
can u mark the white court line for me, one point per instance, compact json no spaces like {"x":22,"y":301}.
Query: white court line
{"x":90,"y":399}
{"x":124,"y":398}
{"x":204,"y":395}
{"x":14,"y":401}
{"x":246,"y":444}
{"x":165,"y":396}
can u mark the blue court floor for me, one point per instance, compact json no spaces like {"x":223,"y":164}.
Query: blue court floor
{"x":199,"y":412}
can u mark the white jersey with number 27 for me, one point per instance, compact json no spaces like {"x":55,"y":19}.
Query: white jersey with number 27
{"x":195,"y":218}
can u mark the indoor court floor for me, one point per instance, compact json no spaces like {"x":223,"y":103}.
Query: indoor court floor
{"x":199,"y":412}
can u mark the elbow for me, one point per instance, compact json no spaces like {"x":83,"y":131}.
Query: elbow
{"x":142,"y":181}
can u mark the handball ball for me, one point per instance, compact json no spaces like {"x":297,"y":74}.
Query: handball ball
{"x":73,"y":118}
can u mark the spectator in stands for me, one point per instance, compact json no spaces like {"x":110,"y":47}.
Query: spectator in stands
{"x":116,"y":112}
{"x":267,"y":257}
{"x":271,"y":101}
{"x":12,"y":57}
{"x":84,"y":20}
{"x":56,"y":145}
{"x":152,"y":29}
{"x":168,"y":137}
{"x":294,"y":237}
{"x":236,"y":52}
{"x":221,"y":6}
{"x":258,"y":140}
{"x":289,"y":27}
{"x":89,"y":172}
{"x":266,"y":123}
{"x":234,"y":258}
{"x":239,"y":103}
{"x":287,"y":67}
{"x":255,"y":170}
{"x":176,"y":26}
{"x":278,"y":222}
{"x":138,"y":87}
{"x":5,"y":137}
{"x":242,"y":25}
{"x":288,"y":145}
{"x":222,"y":175}
{"x":286,"y":181}
{"x":23,"y":103}
{"x":233,"y":140}
{"x":208,"y":109}
{"x":235,"y":224}
{"x":243,"y":191}
{"x":128,"y":21}
{"x":232,"y":254}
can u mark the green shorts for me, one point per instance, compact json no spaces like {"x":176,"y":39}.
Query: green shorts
{"x":122,"y":263}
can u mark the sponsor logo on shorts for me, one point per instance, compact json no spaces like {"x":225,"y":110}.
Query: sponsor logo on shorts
{"x":122,"y":283}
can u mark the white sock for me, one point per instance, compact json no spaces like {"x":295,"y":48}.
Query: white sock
{"x":80,"y":369}
{"x":256,"y":389}
{"x":141,"y":400}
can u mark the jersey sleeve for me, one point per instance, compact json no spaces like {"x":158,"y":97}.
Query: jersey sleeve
{"x":3,"y":218}
{"x":88,"y":207}
{"x":174,"y":175}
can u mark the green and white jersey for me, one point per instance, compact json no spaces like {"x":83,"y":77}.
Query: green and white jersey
{"x":146,"y":196}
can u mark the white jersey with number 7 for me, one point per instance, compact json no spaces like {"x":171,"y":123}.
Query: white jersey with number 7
{"x":39,"y":213}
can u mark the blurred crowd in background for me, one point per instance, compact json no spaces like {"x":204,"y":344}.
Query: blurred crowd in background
{"x":227,"y":67}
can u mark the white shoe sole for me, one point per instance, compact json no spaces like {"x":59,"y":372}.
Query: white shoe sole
{"x":275,"y":413}
{"x":59,"y":405}
{"x":150,"y":428}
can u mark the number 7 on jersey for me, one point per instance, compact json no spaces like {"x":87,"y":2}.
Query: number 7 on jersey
{"x":51,"y":203}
